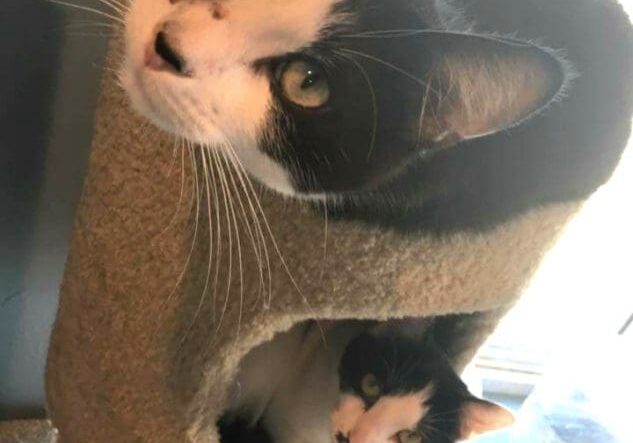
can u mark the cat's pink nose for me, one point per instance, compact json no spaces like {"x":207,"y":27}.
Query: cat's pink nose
{"x":154,"y":61}
{"x":161,"y":55}
{"x":368,"y":434}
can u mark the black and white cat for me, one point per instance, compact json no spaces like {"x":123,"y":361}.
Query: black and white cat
{"x":403,"y":390}
{"x":354,"y":382}
{"x":357,"y":102}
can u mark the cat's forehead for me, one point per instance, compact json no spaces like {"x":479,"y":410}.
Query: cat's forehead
{"x":399,"y":364}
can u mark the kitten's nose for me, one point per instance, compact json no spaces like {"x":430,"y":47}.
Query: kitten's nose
{"x":163,"y":56}
{"x":340,"y":438}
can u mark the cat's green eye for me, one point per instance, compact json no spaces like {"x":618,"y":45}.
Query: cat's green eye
{"x":370,"y":386}
{"x":407,"y":436}
{"x":304,"y":84}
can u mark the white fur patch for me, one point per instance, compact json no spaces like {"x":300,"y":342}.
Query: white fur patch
{"x":388,"y":416}
{"x":224,"y":101}
{"x":347,"y":413}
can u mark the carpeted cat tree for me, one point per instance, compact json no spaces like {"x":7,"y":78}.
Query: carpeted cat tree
{"x":147,"y":340}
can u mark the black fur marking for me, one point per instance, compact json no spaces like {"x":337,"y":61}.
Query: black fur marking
{"x":563,"y":154}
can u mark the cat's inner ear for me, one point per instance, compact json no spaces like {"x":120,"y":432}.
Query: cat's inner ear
{"x":478,"y":417}
{"x":481,"y":85}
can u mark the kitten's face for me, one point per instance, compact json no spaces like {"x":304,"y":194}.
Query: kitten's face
{"x":311,"y":96}
{"x":398,"y":390}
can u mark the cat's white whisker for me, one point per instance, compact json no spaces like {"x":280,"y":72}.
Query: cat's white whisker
{"x":196,"y":198}
{"x":387,"y":64}
{"x":226,"y":197}
{"x":115,"y":6}
{"x":242,"y":175}
{"x":274,"y":242}
{"x":255,"y":243}
{"x":218,"y":224}
{"x":224,"y":174}
{"x":165,"y":303}
{"x":89,"y":24}
{"x":325,"y":239}
{"x":89,"y":9}
{"x":425,"y":98}
{"x":89,"y":34}
{"x":203,"y":296}
{"x":374,"y":103}
{"x":177,"y":146}
{"x":122,"y":4}
{"x":105,"y":68}
{"x":249,"y":189}
{"x":386,"y":33}
{"x":174,"y":152}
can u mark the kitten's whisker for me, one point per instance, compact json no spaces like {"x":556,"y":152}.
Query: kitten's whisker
{"x":115,"y":6}
{"x":92,"y":26}
{"x":173,"y":156}
{"x":325,"y":238}
{"x":387,"y":64}
{"x":122,"y":4}
{"x":374,"y":102}
{"x":423,"y":113}
{"x":218,"y":224}
{"x":88,"y":34}
{"x":226,"y":199}
{"x":195,"y":232}
{"x":105,"y":68}
{"x":247,"y":184}
{"x":224,"y":175}
{"x":88,"y":9}
{"x":205,"y":170}
{"x":164,"y":304}
{"x":391,"y":33}
{"x":89,"y":24}
{"x":242,"y":177}
{"x":182,"y":181}
{"x":275,"y":244}
{"x":255,"y":243}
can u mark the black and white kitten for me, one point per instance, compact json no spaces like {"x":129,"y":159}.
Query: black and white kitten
{"x":397,"y":389}
{"x":354,"y":382}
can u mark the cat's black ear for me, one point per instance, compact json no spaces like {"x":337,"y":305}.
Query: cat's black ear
{"x":480,"y":85}
{"x":478,"y":417}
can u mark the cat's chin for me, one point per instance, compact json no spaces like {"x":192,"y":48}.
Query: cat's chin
{"x":152,"y":102}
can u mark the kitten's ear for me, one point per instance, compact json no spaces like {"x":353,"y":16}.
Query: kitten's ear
{"x":479,"y":417}
{"x":480,"y":85}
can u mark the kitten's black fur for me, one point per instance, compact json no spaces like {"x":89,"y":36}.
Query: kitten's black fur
{"x":563,"y":153}
{"x":406,"y":366}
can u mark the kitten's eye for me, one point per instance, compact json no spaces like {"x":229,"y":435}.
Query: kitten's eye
{"x":370,"y":386}
{"x":409,"y":437}
{"x":304,"y":84}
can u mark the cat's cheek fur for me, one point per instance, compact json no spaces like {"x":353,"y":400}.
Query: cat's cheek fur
{"x":390,"y":415}
{"x":265,"y":169}
{"x":346,"y":414}
{"x":381,"y":421}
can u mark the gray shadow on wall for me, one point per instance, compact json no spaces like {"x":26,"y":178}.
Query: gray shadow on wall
{"x":48,"y":85}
